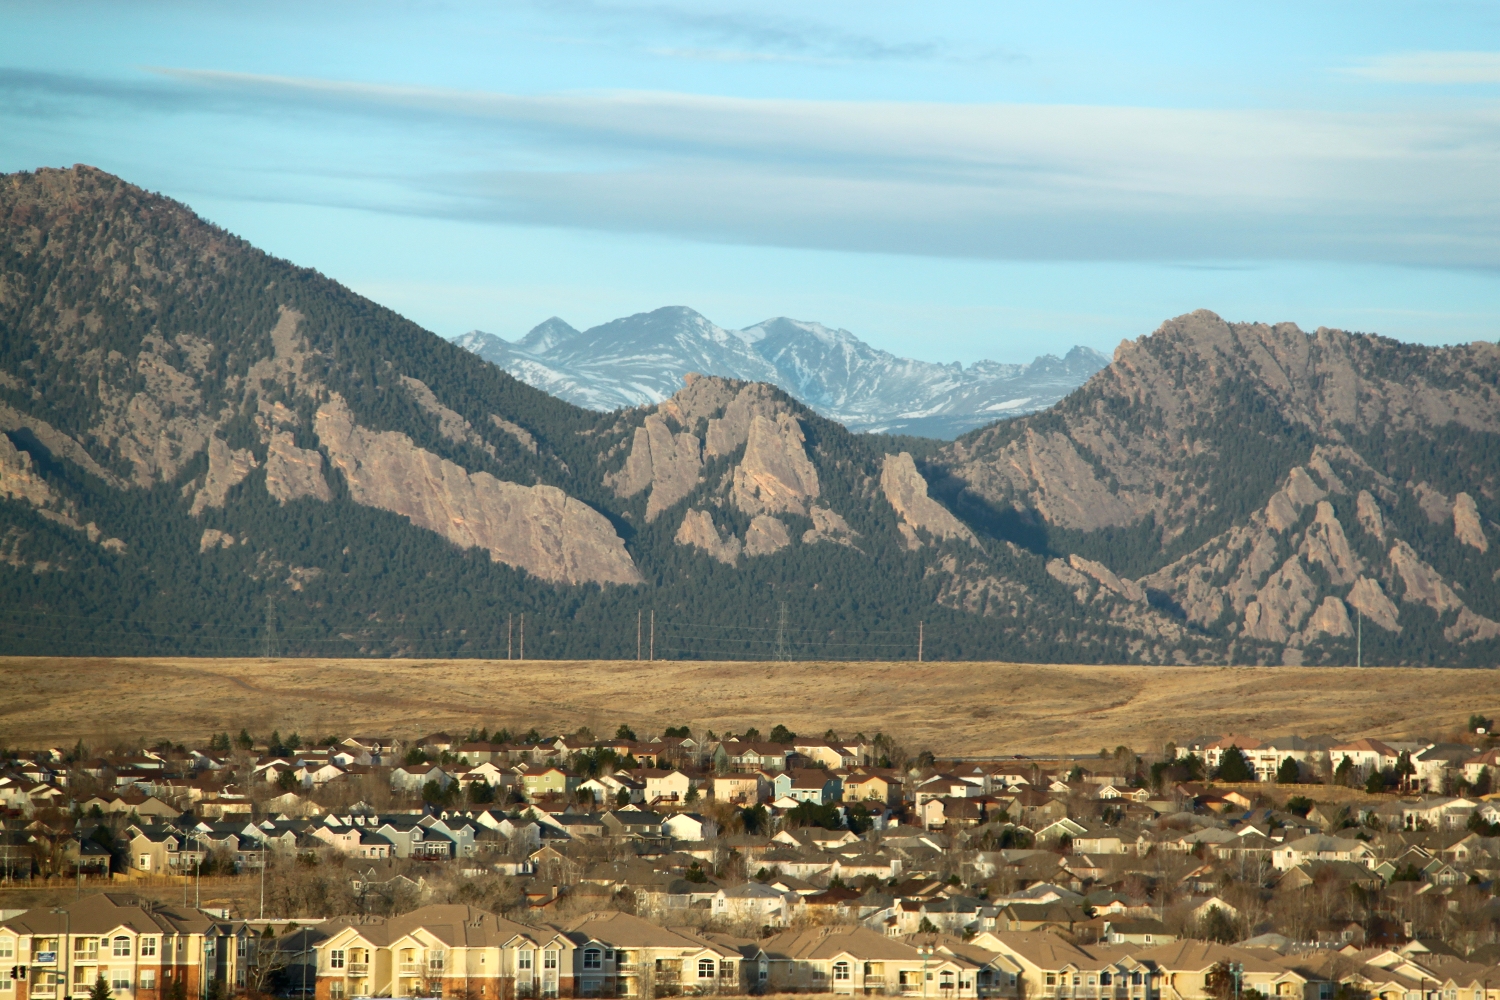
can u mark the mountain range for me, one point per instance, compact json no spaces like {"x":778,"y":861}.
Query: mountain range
{"x":207,"y":450}
{"x":641,"y":360}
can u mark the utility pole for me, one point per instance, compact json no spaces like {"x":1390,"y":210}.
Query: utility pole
{"x":921,"y":634}
{"x":270,"y":625}
{"x":523,"y":635}
{"x":781,"y":652}
{"x":637,"y":635}
{"x":510,"y":627}
{"x":652,"y":651}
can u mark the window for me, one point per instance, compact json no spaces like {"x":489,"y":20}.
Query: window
{"x":549,"y":959}
{"x":1135,"y":979}
{"x":1051,"y":979}
{"x":523,"y":960}
{"x":1091,"y":980}
{"x":1104,"y":979}
{"x":241,"y":947}
{"x":7,"y":949}
{"x":436,"y":961}
{"x":609,"y":956}
{"x":119,"y":979}
{"x":144,"y":862}
{"x":705,"y":968}
{"x":841,"y":971}
{"x":148,"y":946}
{"x":336,"y":959}
{"x":336,"y":990}
{"x":591,"y":959}
{"x":148,"y":979}
{"x":121,"y":947}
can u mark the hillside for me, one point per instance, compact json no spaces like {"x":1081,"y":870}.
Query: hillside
{"x":641,"y":360}
{"x":207,"y":450}
{"x":1267,"y":487}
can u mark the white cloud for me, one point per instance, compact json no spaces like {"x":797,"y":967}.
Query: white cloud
{"x":981,"y":180}
{"x":1432,"y":68}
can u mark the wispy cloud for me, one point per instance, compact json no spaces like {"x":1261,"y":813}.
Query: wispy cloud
{"x":981,"y":180}
{"x":1432,"y":68}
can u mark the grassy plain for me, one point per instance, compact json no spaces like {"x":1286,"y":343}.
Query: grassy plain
{"x":953,"y":708}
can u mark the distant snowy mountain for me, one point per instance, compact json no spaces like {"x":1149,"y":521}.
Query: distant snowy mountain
{"x":641,"y":359}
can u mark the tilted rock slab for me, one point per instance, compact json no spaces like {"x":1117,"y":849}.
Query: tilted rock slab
{"x":698,"y":530}
{"x":1466,"y":526}
{"x":766,"y":535}
{"x":666,"y":463}
{"x":227,"y":468}
{"x":906,"y":490}
{"x":293,"y":472}
{"x":536,"y":528}
{"x":775,"y":476}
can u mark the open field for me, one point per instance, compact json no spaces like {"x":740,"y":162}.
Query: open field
{"x":953,"y":708}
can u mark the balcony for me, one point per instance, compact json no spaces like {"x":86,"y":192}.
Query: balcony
{"x":411,"y":969}
{"x":357,"y":970}
{"x":43,"y":991}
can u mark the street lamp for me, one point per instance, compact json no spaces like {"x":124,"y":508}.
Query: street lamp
{"x":925,"y":950}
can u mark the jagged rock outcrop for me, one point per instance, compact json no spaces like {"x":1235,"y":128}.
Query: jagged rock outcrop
{"x":1368,"y":512}
{"x":906,"y":490}
{"x":1423,"y":583}
{"x":227,"y":468}
{"x":698,"y":530}
{"x":19,"y":479}
{"x":1281,"y":605}
{"x":775,"y":475}
{"x":292,"y":472}
{"x":537,"y":528}
{"x":766,"y":535}
{"x":523,"y":437}
{"x":1331,"y":619}
{"x":828,"y":527}
{"x":1367,"y":598}
{"x":667,"y":464}
{"x":1466,"y":526}
{"x":213,"y":538}
{"x":1101,"y":574}
{"x":56,"y":442}
{"x":451,"y":424}
{"x":1326,"y":544}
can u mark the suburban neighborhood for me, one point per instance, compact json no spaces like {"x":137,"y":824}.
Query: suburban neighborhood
{"x":492,"y":865}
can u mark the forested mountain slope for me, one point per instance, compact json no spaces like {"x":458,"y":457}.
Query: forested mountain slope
{"x":200,"y":439}
{"x":205,"y":449}
{"x":1268,"y":487}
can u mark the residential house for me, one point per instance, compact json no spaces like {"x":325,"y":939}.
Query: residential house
{"x":141,"y":950}
{"x":742,"y":789}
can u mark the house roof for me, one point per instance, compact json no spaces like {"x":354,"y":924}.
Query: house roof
{"x":830,"y":942}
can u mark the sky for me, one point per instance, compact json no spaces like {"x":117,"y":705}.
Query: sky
{"x":949,"y":182}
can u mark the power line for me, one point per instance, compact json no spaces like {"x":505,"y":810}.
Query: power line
{"x":780,"y":652}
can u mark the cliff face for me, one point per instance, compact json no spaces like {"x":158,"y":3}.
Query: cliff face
{"x":1279,"y":486}
{"x":192,"y":432}
{"x":115,"y":288}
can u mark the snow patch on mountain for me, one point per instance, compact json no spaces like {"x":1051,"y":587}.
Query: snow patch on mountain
{"x":641,"y":360}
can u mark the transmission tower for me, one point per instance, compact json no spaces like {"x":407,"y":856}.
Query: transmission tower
{"x":270,"y":626}
{"x":781,"y":652}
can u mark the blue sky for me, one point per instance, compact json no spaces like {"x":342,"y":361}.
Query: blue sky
{"x":949,"y":182}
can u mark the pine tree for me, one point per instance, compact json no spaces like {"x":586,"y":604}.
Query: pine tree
{"x":1233,"y":767}
{"x":100,"y":989}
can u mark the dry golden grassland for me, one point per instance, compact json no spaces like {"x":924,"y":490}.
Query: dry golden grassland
{"x":952,"y":708}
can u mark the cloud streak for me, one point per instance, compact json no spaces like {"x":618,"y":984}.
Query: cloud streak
{"x":1437,"y":68}
{"x":982,"y":180}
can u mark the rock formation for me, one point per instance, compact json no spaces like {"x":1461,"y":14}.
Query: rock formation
{"x":698,"y":530}
{"x":537,"y":528}
{"x":906,"y":490}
